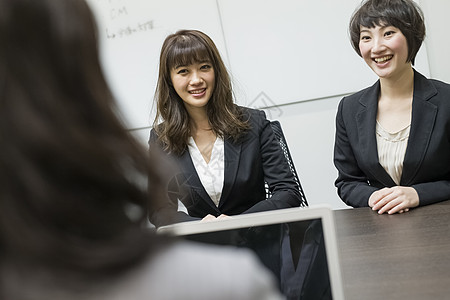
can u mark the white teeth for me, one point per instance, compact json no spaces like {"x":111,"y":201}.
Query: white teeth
{"x":196,"y":91}
{"x":383,"y":59}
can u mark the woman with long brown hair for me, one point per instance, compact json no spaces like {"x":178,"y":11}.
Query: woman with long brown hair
{"x":73,"y":193}
{"x":226,"y":153}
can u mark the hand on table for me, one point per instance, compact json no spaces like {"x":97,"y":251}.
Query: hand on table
{"x":209,"y":218}
{"x":397,"y":199}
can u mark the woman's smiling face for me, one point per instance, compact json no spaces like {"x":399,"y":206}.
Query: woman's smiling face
{"x":385,"y":50}
{"x":194,"y":83}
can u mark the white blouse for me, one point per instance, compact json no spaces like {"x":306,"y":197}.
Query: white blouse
{"x":211,"y":174}
{"x":391,"y":150}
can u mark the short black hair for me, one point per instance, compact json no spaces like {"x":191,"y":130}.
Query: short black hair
{"x":403,"y":14}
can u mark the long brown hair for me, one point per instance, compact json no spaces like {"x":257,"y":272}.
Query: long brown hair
{"x":70,"y":174}
{"x":186,"y":47}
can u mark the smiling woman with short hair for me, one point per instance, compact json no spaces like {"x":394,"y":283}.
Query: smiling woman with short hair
{"x":392,"y":146}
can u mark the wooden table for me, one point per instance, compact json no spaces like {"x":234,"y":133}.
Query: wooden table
{"x":403,"y":256}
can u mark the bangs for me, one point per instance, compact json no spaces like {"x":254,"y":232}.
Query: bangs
{"x":371,"y":21}
{"x":186,"y":52}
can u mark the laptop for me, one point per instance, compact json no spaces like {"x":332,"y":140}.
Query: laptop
{"x":297,"y":244}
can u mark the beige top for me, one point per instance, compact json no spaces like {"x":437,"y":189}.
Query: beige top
{"x":391,"y":150}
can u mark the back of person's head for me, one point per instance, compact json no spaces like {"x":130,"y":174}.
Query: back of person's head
{"x":70,"y":174}
{"x":406,"y":15}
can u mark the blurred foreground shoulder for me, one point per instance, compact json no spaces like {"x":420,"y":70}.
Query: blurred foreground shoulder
{"x":201,"y":272}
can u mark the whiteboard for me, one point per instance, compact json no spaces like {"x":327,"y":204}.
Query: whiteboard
{"x":131,"y":33}
{"x":278,"y":52}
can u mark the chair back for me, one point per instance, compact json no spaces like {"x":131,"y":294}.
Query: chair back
{"x":276,"y":127}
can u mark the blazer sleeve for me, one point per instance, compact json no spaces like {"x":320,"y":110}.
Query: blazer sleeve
{"x":277,"y":175}
{"x":432,"y":181}
{"x":165,"y":212}
{"x":432,"y":192}
{"x":352,"y":183}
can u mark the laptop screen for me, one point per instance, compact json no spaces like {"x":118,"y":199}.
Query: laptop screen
{"x":297,"y":244}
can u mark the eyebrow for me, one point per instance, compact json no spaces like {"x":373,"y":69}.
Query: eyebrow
{"x":179,"y":66}
{"x":381,"y":26}
{"x":197,"y":62}
{"x":206,"y":61}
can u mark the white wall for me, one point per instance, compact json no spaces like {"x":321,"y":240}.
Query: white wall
{"x":437,"y":40}
{"x":308,"y":124}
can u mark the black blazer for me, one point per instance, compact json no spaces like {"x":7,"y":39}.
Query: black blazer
{"x":304,"y":270}
{"x":257,"y":158}
{"x":426,"y":166}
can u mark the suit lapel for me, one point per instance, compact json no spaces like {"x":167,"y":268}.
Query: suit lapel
{"x":366,"y":120}
{"x":232,"y":156}
{"x":192,"y":180}
{"x":422,"y":123}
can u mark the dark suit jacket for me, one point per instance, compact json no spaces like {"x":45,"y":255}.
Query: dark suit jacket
{"x":426,"y":166}
{"x":257,"y":158}
{"x":304,"y":267}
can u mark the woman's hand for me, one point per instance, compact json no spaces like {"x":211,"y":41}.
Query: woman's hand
{"x":397,"y":199}
{"x":223,"y":217}
{"x":209,"y":218}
